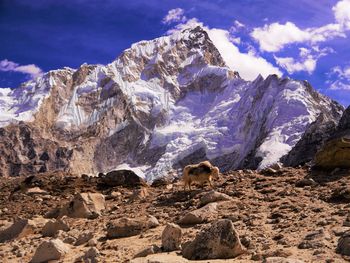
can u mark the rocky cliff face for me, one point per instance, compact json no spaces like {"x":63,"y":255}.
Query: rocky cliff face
{"x":335,"y":152}
{"x":160,"y":105}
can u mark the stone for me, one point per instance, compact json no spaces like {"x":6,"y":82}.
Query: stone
{"x":204,"y":214}
{"x":218,"y":241}
{"x":343,"y":246}
{"x":214,"y":196}
{"x":84,"y":238}
{"x":305,"y":182}
{"x":162,"y":181}
{"x":281,"y":260}
{"x":90,"y":256}
{"x":124,"y":177}
{"x":154,"y":249}
{"x":84,"y":205}
{"x":171,"y":237}
{"x":18,"y":229}
{"x":36,"y":191}
{"x":126,"y":227}
{"x":54,"y":249}
{"x":52,"y":227}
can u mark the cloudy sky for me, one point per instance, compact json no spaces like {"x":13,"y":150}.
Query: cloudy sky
{"x":303,"y":39}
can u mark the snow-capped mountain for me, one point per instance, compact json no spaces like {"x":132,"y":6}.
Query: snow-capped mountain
{"x":160,"y":105}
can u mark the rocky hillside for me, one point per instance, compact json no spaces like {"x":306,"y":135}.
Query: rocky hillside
{"x":160,"y":105}
{"x":289,"y":215}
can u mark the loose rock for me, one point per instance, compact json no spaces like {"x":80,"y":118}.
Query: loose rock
{"x":218,"y":241}
{"x":214,"y":196}
{"x":50,"y":250}
{"x":171,"y":237}
{"x":204,"y":214}
{"x":85,"y":205}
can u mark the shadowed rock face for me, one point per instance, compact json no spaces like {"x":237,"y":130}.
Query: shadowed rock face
{"x":162,"y":104}
{"x":336,"y":151}
{"x":312,"y":140}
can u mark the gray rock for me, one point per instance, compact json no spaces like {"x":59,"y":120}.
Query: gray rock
{"x":84,"y":238}
{"x":84,"y":205}
{"x":171,"y":237}
{"x":204,"y":214}
{"x":148,"y":251}
{"x":54,"y":249}
{"x":52,"y":227}
{"x":90,"y":256}
{"x":343,"y":246}
{"x":218,"y":241}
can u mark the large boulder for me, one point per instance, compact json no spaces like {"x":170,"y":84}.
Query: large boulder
{"x":218,"y":241}
{"x":343,"y":246}
{"x":205,"y":214}
{"x":126,"y":227}
{"x":125,"y":177}
{"x":84,"y":205}
{"x":54,"y":249}
{"x":171,"y":237}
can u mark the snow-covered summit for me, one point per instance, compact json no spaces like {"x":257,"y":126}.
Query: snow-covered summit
{"x":162,"y":104}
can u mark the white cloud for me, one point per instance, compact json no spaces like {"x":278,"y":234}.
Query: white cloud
{"x":31,"y":69}
{"x":342,"y":13}
{"x":307,"y":60}
{"x":174,"y":15}
{"x":341,"y":76}
{"x":249,"y":65}
{"x":274,"y":37}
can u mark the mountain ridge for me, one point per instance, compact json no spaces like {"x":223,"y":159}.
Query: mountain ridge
{"x":161,"y":104}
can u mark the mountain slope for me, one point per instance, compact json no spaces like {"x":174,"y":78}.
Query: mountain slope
{"x":160,"y":105}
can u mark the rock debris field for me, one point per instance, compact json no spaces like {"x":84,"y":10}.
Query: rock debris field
{"x":276,"y":216}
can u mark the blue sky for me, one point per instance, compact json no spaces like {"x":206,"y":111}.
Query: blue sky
{"x":302,"y":39}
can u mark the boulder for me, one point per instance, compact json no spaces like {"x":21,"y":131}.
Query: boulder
{"x":18,"y":229}
{"x":204,"y":214}
{"x":343,"y":246}
{"x":218,"y":241}
{"x":84,"y":205}
{"x":52,"y":227}
{"x":126,"y":227}
{"x":53,"y":249}
{"x":171,"y":237}
{"x":214,"y":196}
{"x":125,"y":177}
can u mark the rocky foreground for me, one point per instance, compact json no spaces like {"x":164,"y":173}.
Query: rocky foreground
{"x":286,"y":215}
